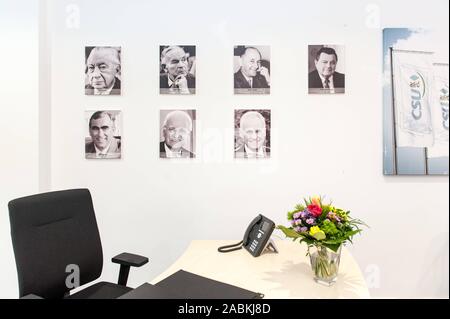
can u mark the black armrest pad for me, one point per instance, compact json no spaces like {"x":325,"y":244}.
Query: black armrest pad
{"x":127,"y":259}
{"x":31,"y":296}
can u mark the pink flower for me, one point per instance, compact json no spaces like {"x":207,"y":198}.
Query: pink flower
{"x":315,"y":210}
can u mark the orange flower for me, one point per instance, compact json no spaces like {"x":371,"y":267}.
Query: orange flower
{"x":316,"y":201}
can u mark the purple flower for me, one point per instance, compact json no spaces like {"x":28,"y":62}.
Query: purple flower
{"x":310,"y":221}
{"x":298,"y":229}
{"x":293,"y":222}
{"x":296,"y":222}
{"x":304,"y":214}
{"x":303,"y":229}
{"x":297,"y":215}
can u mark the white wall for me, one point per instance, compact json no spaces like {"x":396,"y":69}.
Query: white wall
{"x":321,"y":144}
{"x":19,"y":174}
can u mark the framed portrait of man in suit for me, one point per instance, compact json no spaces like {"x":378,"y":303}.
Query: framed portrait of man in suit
{"x":326,"y":67}
{"x":103,"y":139}
{"x":251,"y":69}
{"x":177,"y":134}
{"x":252,"y":134}
{"x":103,"y":69}
{"x":177,"y":69}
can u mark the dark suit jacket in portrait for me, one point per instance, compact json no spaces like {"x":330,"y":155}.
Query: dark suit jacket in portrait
{"x":240,"y":82}
{"x":184,"y":153}
{"x":241,"y":153}
{"x":315,"y":82}
{"x":164,"y":84}
{"x":89,"y":90}
{"x":114,"y":150}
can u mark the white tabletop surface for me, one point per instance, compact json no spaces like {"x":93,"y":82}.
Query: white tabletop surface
{"x":287,"y":274}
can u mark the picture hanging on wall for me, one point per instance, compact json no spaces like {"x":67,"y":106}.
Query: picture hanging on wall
{"x":252,"y":69}
{"x":103,"y":134}
{"x":252,"y":134}
{"x":103,"y":71}
{"x":326,"y":67}
{"x":177,"y":69}
{"x":177,"y":134}
{"x":415,"y":102}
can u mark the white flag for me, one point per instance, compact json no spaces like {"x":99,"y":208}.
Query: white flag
{"x":413,"y":76}
{"x":439,"y":112}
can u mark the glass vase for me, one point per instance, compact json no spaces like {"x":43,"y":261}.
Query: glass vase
{"x":325,"y":264}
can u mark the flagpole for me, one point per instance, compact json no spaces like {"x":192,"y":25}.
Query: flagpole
{"x":394,"y":131}
{"x":426,"y":160}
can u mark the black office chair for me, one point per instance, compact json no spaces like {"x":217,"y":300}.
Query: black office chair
{"x":55,"y":230}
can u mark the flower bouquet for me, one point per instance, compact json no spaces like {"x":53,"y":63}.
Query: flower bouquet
{"x":324,"y":228}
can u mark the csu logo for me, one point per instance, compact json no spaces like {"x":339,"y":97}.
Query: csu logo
{"x":417,"y":85}
{"x":444,"y":106}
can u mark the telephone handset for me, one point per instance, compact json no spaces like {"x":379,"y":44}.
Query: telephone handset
{"x":256,"y":237}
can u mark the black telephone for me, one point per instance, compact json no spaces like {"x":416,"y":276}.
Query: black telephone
{"x":256,"y":237}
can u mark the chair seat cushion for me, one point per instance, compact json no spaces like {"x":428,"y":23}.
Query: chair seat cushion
{"x":101,"y":290}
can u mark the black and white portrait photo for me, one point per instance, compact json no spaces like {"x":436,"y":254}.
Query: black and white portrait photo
{"x":102,"y":71}
{"x":326,"y":69}
{"x":252,"y":69}
{"x":177,"y":134}
{"x":177,"y":69}
{"x":103,"y":134}
{"x":252,"y":133}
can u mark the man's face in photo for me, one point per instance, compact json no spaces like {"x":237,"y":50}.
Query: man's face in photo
{"x":101,"y":131}
{"x":254,"y":132}
{"x":250,"y":62}
{"x":326,"y":65}
{"x":177,"y":62}
{"x":176,"y":131}
{"x":102,"y":67}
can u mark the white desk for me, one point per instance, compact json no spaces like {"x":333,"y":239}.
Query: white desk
{"x":287,"y":274}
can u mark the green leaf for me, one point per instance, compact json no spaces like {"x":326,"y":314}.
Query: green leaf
{"x":289,"y":232}
{"x":307,"y":241}
{"x":333,"y":247}
{"x":352,"y":233}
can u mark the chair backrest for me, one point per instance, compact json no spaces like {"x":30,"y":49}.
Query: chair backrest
{"x":50,"y":232}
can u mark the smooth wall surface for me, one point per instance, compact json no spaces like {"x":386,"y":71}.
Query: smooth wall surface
{"x":19,"y":170}
{"x":330,"y":145}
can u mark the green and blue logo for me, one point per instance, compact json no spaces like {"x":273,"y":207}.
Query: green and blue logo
{"x":417,"y":85}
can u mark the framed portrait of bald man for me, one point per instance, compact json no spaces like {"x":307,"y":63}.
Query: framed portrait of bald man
{"x":103,"y":70}
{"x":252,"y":134}
{"x":177,"y":134}
{"x":251,"y":69}
{"x":103,"y":139}
{"x":177,"y":69}
{"x":326,"y":67}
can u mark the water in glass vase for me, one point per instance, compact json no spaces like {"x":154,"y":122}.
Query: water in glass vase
{"x":325,"y":264}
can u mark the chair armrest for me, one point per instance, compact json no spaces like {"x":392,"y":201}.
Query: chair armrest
{"x":31,"y":296}
{"x":127,"y":259}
